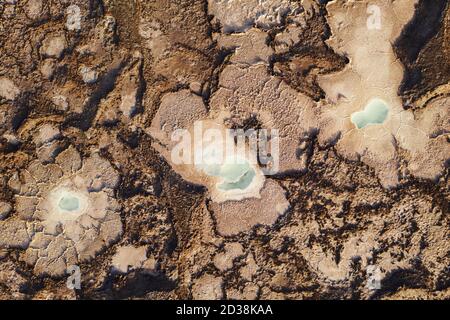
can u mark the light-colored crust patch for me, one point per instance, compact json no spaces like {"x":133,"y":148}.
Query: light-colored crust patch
{"x":375,"y":72}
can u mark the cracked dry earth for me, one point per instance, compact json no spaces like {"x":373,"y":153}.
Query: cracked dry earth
{"x":92,"y":91}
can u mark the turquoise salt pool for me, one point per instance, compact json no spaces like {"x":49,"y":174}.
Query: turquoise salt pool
{"x":236,"y":176}
{"x":235,"y":173}
{"x":69,"y":203}
{"x":375,"y":112}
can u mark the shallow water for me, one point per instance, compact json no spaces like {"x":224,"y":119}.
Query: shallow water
{"x":238,"y":177}
{"x":69,"y":203}
{"x":375,"y":112}
{"x":236,"y":173}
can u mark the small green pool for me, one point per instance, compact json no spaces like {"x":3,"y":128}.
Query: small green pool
{"x":236,"y":176}
{"x":235,"y":173}
{"x":69,"y":203}
{"x":375,"y":112}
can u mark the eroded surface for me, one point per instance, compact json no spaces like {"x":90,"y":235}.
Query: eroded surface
{"x":355,"y":89}
{"x":91,"y":93}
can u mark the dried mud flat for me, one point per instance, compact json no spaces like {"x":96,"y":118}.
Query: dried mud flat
{"x":90,"y":91}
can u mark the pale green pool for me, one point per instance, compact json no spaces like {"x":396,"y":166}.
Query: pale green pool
{"x":69,"y":203}
{"x":375,"y":112}
{"x":236,"y":173}
{"x":236,"y":176}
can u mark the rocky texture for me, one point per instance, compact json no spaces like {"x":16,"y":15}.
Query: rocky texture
{"x":62,"y":235}
{"x":239,"y":16}
{"x":224,"y":261}
{"x":207,"y":288}
{"x":129,"y":258}
{"x":252,"y":93}
{"x":233,"y":217}
{"x":8,"y":89}
{"x":5,"y":209}
{"x":354,"y":87}
{"x":91,"y":91}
